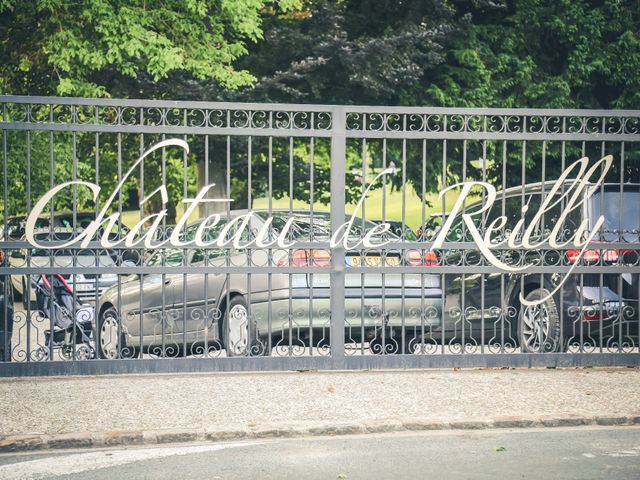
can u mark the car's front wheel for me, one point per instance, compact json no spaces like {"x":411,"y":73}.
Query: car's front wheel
{"x":110,"y":337}
{"x":539,"y":325}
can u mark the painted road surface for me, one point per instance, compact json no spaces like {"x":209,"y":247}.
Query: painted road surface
{"x":554,"y":453}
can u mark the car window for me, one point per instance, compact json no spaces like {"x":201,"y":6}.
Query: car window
{"x":511,"y":208}
{"x":459,"y":231}
{"x":621,"y":213}
{"x":212,"y":233}
{"x":15,"y":229}
{"x":82,"y":221}
{"x":166,"y":257}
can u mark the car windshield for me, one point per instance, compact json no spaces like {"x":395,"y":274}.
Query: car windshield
{"x":171,"y":257}
{"x":82,"y":221}
{"x":318,"y":228}
{"x":397,"y":229}
{"x":58,"y":237}
{"x":621,"y":213}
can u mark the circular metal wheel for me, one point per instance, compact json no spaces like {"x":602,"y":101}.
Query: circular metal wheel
{"x":108,"y":343}
{"x":84,"y":352}
{"x":235,"y":331}
{"x":539,"y":325}
{"x":40,"y":354}
{"x":67,"y":352}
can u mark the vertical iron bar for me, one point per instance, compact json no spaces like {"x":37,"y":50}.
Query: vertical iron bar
{"x":403,"y":320}
{"x":270,"y":251}
{"x":141,"y":253}
{"x":338,"y":167}
{"x":248,"y":250}
{"x":28,"y":255}
{"x":5,"y":200}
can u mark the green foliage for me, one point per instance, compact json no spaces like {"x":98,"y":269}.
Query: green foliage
{"x":346,"y":52}
{"x":85,"y":48}
{"x":555,"y":54}
{"x":101,"y":48}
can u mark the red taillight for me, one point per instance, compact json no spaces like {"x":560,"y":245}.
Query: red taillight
{"x":592,"y":316}
{"x":307,"y":258}
{"x":590,"y":256}
{"x":417,"y":259}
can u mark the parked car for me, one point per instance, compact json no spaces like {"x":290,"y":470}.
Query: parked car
{"x":15,"y":226}
{"x":397,"y":228}
{"x":87,"y":286}
{"x":64,"y":221}
{"x":6,"y":313}
{"x":160,"y":310}
{"x":589,"y":308}
{"x":432,"y":226}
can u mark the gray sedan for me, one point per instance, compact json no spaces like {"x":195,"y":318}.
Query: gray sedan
{"x":249,"y":314}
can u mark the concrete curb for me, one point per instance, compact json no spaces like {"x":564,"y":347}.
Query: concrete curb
{"x":34,"y":442}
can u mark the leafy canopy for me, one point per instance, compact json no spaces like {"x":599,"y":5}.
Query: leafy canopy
{"x":83,"y":48}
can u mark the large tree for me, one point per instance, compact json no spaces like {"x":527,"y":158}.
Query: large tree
{"x":481,"y":53}
{"x":333,"y":52}
{"x":95,"y":47}
{"x":118,"y":48}
{"x":541,"y":54}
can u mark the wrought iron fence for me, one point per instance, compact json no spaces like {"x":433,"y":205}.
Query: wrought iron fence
{"x":425,"y":294}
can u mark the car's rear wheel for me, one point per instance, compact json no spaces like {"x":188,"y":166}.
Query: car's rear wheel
{"x":236,"y":331}
{"x":539,"y":325}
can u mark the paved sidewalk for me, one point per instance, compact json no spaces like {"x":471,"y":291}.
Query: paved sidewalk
{"x":162,"y":408}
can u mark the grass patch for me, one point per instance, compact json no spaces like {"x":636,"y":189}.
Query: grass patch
{"x":373,"y":206}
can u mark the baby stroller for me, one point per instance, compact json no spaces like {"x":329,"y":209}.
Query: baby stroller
{"x":56,"y":301}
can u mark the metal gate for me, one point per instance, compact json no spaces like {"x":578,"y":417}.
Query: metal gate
{"x":193,"y":236}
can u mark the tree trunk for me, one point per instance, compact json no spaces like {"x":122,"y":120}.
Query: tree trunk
{"x":216,"y":175}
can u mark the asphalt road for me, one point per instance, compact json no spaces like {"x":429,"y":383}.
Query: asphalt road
{"x":559,"y":453}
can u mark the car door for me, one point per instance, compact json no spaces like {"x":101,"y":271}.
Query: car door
{"x":463,"y":291}
{"x":148,"y":300}
{"x":196,"y":295}
{"x":499,"y":318}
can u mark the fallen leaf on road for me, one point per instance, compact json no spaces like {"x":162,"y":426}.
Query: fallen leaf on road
{"x":330,"y":389}
{"x":342,"y":475}
{"x":499,"y":449}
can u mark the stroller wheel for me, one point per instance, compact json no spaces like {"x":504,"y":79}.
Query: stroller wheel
{"x":84,"y":352}
{"x":67,"y":352}
{"x":40,"y":354}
